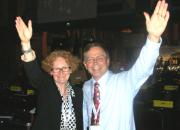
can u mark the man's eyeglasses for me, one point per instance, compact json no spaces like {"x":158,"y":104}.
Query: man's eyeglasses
{"x":97,"y":59}
{"x":63,"y":69}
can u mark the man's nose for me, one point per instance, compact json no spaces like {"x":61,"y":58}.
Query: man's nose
{"x":95,"y":61}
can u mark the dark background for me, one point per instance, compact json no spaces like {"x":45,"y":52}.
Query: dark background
{"x":54,"y":16}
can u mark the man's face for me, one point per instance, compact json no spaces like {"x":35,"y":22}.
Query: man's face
{"x":96,"y":62}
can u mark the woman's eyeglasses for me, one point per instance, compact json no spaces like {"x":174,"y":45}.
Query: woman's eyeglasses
{"x":63,"y":69}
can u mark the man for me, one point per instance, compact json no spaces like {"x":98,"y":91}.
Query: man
{"x":110,"y":105}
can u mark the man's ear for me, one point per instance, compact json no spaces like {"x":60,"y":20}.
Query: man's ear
{"x":85,"y":65}
{"x":108,"y":61}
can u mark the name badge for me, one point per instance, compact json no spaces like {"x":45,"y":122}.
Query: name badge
{"x":94,"y":127}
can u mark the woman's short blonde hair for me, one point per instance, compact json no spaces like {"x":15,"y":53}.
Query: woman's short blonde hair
{"x":71,"y":60}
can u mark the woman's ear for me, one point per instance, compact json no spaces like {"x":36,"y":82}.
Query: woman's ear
{"x":51,"y":73}
{"x":70,"y":71}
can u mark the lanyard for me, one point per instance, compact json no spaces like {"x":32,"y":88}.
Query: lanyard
{"x":94,"y":110}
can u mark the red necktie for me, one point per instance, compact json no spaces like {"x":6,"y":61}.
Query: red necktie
{"x":96,"y":100}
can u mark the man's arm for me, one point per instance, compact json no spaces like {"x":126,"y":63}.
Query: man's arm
{"x":144,"y":65}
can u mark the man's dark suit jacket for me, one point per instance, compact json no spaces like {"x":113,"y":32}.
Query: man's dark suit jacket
{"x":49,"y":100}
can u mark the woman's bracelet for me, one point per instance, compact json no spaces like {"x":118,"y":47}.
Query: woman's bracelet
{"x":27,"y":51}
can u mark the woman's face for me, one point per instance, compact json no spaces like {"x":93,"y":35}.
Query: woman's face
{"x":60,"y":71}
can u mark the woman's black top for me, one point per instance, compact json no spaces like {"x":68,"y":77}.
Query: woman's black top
{"x":49,"y":99}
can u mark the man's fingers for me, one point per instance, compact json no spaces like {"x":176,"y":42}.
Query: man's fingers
{"x":157,"y":7}
{"x":164,"y":11}
{"x":147,"y":17}
{"x":167,"y":16}
{"x":161,"y":7}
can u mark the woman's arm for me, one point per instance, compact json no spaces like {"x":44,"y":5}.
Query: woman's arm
{"x":25,"y":34}
{"x":32,"y":69}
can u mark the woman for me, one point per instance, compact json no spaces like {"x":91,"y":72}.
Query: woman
{"x":59,"y":104}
